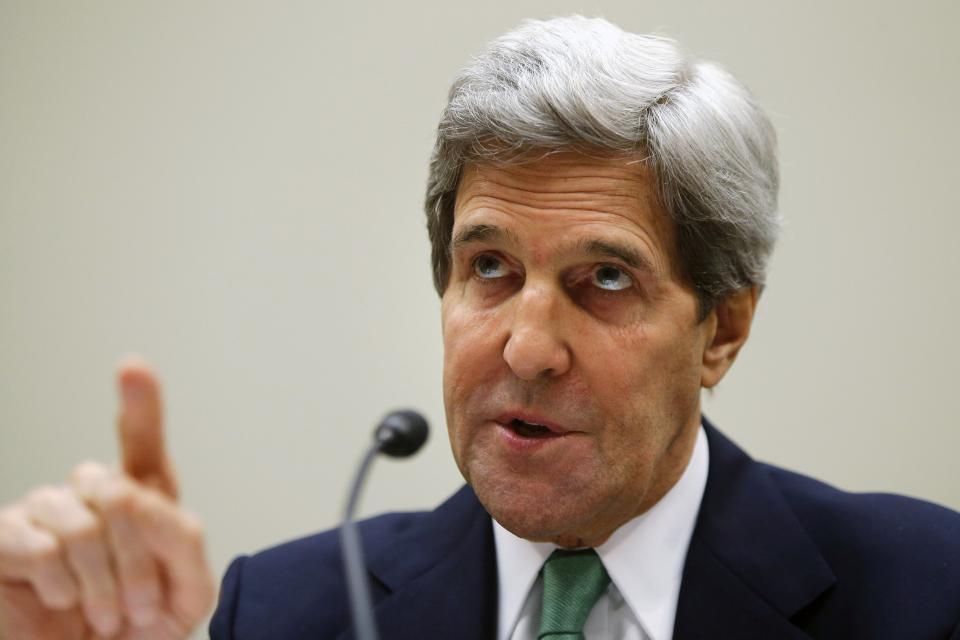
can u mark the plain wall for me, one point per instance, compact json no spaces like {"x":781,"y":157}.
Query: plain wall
{"x":233,"y":190}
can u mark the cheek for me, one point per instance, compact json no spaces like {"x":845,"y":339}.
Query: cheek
{"x":471,"y":362}
{"x":619,"y":364}
{"x":646,"y":381}
{"x":470,"y":351}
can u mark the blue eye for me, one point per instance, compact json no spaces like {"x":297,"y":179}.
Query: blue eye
{"x":611,"y":278}
{"x":489,"y":267}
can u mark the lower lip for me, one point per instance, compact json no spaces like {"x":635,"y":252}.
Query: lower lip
{"x":515,"y":441}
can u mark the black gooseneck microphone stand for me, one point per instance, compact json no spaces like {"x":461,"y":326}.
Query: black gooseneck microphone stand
{"x":399,"y":434}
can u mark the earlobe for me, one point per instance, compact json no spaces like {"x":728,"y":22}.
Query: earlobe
{"x":731,"y":319}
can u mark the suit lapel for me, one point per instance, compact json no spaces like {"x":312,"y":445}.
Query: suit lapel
{"x":750,"y":566}
{"x":440,"y":578}
{"x":716,"y":603}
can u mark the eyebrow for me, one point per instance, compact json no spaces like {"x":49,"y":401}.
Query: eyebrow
{"x":586,"y":246}
{"x":483,"y":233}
{"x":628,"y":255}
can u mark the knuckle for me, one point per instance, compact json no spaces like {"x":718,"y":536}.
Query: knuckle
{"x":84,"y":530}
{"x":43,"y":548}
{"x":45,"y":497}
{"x":40,"y":552}
{"x":88,"y":469}
{"x":119,"y":498}
{"x":192,"y":529}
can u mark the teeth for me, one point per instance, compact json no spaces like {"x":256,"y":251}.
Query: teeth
{"x":532,"y":424}
{"x":529,"y":429}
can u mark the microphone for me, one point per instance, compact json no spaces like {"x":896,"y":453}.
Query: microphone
{"x":399,"y":435}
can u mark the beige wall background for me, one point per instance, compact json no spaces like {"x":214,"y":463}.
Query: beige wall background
{"x":233,"y":190}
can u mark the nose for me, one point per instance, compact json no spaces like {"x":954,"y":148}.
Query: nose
{"x":535,"y":347}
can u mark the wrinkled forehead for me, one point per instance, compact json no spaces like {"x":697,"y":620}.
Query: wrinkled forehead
{"x":551,"y":175}
{"x":559,"y":191}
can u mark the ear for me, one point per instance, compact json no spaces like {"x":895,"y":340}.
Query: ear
{"x":731,"y":319}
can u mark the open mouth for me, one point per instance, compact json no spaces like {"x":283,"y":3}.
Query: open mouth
{"x":529,"y":429}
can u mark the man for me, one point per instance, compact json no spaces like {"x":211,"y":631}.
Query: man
{"x":601,"y":211}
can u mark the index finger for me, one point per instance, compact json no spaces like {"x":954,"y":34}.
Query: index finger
{"x":140,"y":427}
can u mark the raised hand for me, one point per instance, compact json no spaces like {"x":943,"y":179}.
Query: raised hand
{"x":109,"y":554}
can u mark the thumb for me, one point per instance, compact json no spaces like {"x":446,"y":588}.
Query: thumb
{"x":140,"y":428}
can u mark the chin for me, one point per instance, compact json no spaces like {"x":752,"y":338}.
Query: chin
{"x":539,"y":516}
{"x":535,"y":527}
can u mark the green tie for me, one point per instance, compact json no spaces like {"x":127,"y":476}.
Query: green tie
{"x":572,"y":583}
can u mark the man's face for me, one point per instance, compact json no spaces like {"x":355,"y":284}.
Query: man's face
{"x":573,"y":354}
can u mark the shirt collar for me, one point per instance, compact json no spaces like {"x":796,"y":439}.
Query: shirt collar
{"x":644,"y":557}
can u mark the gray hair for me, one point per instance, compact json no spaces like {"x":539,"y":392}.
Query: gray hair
{"x":584,"y":84}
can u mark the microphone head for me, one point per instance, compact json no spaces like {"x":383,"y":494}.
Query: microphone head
{"x":401,"y":433}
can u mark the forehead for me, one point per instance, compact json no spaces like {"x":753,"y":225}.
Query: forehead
{"x":567,"y":196}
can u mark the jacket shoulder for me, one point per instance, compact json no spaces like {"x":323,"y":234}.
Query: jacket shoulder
{"x":297,"y":588}
{"x":899,"y":551}
{"x":884,"y":523}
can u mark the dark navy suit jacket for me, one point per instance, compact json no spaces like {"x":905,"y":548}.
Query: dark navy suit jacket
{"x":774,"y":555}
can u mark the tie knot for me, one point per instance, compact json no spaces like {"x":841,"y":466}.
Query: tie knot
{"x":573,"y":581}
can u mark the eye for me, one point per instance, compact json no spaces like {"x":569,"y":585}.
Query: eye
{"x":489,"y":267}
{"x":611,"y":278}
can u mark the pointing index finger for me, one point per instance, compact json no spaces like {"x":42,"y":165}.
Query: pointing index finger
{"x":140,"y":427}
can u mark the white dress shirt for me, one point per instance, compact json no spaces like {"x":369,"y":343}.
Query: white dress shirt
{"x":644,"y":559}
